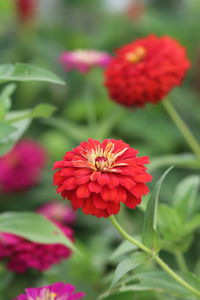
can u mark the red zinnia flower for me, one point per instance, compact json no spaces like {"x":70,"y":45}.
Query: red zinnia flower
{"x":146,"y":70}
{"x":21,"y":167}
{"x":26,"y":9}
{"x":97,"y":177}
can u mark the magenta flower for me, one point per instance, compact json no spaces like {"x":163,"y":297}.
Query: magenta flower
{"x":58,"y":211}
{"x":22,"y":254}
{"x":56,"y":291}
{"x":21,"y":168}
{"x":84,"y":60}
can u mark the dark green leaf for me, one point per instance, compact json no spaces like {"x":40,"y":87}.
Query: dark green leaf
{"x":157,"y":281}
{"x":26,"y":72}
{"x":150,"y":236}
{"x":185,"y":195}
{"x":168,"y":220}
{"x":128,"y":265}
{"x":123,"y":248}
{"x":34,"y":227}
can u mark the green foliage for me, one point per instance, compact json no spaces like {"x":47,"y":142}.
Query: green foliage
{"x":156,"y":281}
{"x":178,"y":223}
{"x":34,"y":227}
{"x":42,"y":111}
{"x":127,"y":265}
{"x":5,"y":99}
{"x":26,"y":72}
{"x":185,"y":196}
{"x":150,"y":236}
{"x":124,"y":248}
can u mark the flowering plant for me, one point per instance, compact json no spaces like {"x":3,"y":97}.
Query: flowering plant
{"x":114,"y":229}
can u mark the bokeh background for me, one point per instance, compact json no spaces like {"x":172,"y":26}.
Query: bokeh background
{"x":105,"y":25}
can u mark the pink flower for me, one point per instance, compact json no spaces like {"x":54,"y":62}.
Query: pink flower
{"x":22,"y":254}
{"x":21,"y":168}
{"x":84,"y":60}
{"x":56,"y":291}
{"x":58,"y":211}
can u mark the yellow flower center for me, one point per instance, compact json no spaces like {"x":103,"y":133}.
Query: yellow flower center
{"x":137,"y":55}
{"x":46,"y":295}
{"x":99,"y":159}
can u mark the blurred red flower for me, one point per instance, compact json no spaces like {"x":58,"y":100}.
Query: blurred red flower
{"x":97,"y":177}
{"x":22,"y":254}
{"x":146,"y":70}
{"x":26,"y":9}
{"x":21,"y":168}
{"x":58,"y":211}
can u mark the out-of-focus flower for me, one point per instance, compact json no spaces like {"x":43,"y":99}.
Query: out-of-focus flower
{"x":84,"y":60}
{"x":58,"y":211}
{"x":20,"y":168}
{"x":26,"y":9}
{"x":55,"y":291}
{"x":146,"y":70}
{"x":135,"y":10}
{"x":22,"y":254}
{"x":97,"y":177}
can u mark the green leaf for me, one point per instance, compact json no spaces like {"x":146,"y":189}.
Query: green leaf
{"x":168,"y":220}
{"x":184,"y":160}
{"x":5,"y":130}
{"x":20,"y":127}
{"x":26,"y":72}
{"x":34,"y":227}
{"x":150,"y":236}
{"x":118,"y":295}
{"x":173,"y":230}
{"x":128,"y":265}
{"x":191,"y":225}
{"x":5,"y":99}
{"x":42,"y":110}
{"x":155,"y":281}
{"x":124,"y":248}
{"x":185,"y":195}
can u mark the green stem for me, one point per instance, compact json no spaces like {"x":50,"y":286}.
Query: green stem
{"x":90,"y":108}
{"x":128,"y":237}
{"x":191,"y":140}
{"x":181,"y":261}
{"x":159,"y":261}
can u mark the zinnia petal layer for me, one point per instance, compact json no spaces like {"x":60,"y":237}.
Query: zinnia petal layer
{"x":98,"y":177}
{"x":146,"y":70}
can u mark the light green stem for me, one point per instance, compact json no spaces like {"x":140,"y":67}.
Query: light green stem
{"x":189,"y":137}
{"x":128,"y":237}
{"x":90,"y":112}
{"x":90,"y":107}
{"x":159,"y":261}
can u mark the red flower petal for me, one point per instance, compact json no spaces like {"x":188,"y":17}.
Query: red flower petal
{"x":99,"y":188}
